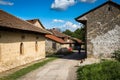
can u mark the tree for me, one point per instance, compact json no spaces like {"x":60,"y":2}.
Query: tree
{"x":68,"y":32}
{"x":78,"y":33}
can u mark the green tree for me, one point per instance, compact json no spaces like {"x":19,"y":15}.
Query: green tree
{"x":78,"y":33}
{"x":68,"y":32}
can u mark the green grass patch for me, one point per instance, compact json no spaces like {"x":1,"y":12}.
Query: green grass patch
{"x":26,"y":70}
{"x":106,"y":70}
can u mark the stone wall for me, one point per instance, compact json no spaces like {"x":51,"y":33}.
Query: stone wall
{"x":10,"y":56}
{"x":49,"y":46}
{"x":103,"y":30}
{"x":59,"y":47}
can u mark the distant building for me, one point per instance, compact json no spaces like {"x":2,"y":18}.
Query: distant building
{"x":20,"y":42}
{"x":57,"y":41}
{"x":53,"y":44}
{"x":102,"y":29}
{"x":64,"y":37}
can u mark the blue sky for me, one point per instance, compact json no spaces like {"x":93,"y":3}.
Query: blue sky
{"x":52,"y":13}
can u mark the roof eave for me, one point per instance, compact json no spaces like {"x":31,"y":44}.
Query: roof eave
{"x":15,"y":29}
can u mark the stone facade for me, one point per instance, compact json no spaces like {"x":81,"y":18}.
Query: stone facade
{"x":52,"y":46}
{"x":103,"y":29}
{"x":57,"y":42}
{"x":33,"y":48}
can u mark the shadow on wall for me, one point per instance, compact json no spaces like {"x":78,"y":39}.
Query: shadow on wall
{"x":61,"y":51}
{"x":64,"y":51}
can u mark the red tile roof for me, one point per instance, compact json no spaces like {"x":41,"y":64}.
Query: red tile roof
{"x":9,"y":21}
{"x":54,"y":38}
{"x":62,"y":36}
{"x":57,"y":33}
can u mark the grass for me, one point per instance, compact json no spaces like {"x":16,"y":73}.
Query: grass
{"x":106,"y":70}
{"x":26,"y":70}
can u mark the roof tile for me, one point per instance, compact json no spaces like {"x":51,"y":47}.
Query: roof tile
{"x":9,"y":21}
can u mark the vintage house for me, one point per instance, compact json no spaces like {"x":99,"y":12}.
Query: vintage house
{"x":57,"y":42}
{"x":64,"y":37}
{"x":102,"y":29}
{"x":20,"y":42}
{"x":53,"y":44}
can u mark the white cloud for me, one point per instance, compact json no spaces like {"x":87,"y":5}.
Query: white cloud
{"x":58,"y":20}
{"x":62,"y":4}
{"x":88,"y":1}
{"x":2,"y":2}
{"x":63,"y":24}
{"x":71,"y":25}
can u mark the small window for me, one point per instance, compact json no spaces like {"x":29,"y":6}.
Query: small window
{"x":36,"y":46}
{"x":21,"y":48}
{"x":109,"y":8}
{"x":23,"y":36}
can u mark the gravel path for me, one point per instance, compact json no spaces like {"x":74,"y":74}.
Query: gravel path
{"x":60,"y":69}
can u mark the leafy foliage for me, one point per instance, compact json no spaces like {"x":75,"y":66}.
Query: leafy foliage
{"x":116,"y":55}
{"x":106,"y":70}
{"x":78,"y":33}
{"x":68,"y":32}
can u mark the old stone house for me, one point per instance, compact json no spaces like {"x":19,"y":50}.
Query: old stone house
{"x":102,"y":26}
{"x":53,"y":44}
{"x":57,"y":42}
{"x":64,"y":37}
{"x":20,"y":42}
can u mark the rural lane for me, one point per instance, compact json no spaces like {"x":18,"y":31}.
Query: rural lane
{"x":60,"y":69}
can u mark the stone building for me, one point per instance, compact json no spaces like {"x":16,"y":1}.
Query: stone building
{"x":53,"y":44}
{"x":57,"y":41}
{"x":67,"y":39}
{"x":102,"y":26}
{"x":20,"y":42}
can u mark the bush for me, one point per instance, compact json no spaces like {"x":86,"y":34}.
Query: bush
{"x":116,"y":55}
{"x":106,"y":70}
